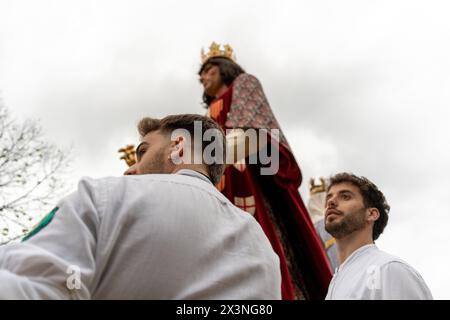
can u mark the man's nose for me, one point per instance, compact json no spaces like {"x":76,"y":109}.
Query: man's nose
{"x":131,"y":170}
{"x":330,"y":203}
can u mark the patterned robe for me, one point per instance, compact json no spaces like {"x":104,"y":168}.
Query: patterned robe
{"x":273,"y":200}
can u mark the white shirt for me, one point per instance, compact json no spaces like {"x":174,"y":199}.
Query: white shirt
{"x":371,"y":274}
{"x":171,"y":236}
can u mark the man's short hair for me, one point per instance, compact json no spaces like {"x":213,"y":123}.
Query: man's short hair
{"x":186,"y":121}
{"x":372,"y":197}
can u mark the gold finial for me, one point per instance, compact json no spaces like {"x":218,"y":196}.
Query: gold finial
{"x":215,"y":51}
{"x":317,"y":188}
{"x":129,"y":154}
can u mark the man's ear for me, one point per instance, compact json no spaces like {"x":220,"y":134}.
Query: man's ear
{"x":177,"y":149}
{"x":373,"y":214}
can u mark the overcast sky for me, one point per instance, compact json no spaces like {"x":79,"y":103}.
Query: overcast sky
{"x":361,"y":86}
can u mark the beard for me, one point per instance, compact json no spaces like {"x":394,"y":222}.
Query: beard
{"x":213,"y":88}
{"x":156,"y":164}
{"x":347,"y":224}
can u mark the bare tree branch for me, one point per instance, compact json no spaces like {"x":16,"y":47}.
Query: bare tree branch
{"x":32,"y":175}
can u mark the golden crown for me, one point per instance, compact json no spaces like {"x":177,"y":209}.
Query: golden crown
{"x":129,"y":154}
{"x":216,"y":51}
{"x":317,"y":188}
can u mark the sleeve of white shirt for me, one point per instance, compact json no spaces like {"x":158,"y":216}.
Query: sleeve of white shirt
{"x":46,"y":265}
{"x":401,"y":282}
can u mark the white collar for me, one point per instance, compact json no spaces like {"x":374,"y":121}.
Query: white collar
{"x":355,"y":254}
{"x":193,"y":173}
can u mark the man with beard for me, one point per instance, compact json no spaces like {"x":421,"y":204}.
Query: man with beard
{"x":356,"y":214}
{"x":162,"y":231}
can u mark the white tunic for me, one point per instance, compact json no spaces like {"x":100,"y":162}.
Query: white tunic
{"x":170,"y":236}
{"x":371,"y":274}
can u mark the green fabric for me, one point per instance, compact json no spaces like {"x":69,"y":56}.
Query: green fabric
{"x":44,"y":222}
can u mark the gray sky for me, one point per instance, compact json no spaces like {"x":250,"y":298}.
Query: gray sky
{"x":360,"y":86}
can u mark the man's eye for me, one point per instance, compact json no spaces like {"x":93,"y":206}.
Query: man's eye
{"x":346,"y":197}
{"x":140,"y":153}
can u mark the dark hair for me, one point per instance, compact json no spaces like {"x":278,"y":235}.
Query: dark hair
{"x":229,"y":70}
{"x":372,"y":197}
{"x":186,"y":121}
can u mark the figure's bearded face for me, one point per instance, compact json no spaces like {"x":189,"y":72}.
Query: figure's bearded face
{"x":211,"y":80}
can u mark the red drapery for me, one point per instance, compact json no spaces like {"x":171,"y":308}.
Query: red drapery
{"x":274,"y":200}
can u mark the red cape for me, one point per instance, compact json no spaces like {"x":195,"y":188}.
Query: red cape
{"x":273,"y":199}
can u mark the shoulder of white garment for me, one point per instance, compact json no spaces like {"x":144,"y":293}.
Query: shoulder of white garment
{"x":107,"y":187}
{"x":399,"y":279}
{"x":384,"y":259}
{"x":88,"y":190}
{"x":402,"y":281}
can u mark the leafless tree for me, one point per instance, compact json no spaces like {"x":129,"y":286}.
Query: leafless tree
{"x":32,"y":175}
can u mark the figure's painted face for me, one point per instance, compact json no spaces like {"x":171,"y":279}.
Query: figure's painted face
{"x":345,"y":210}
{"x":152,"y":155}
{"x":211,"y":80}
